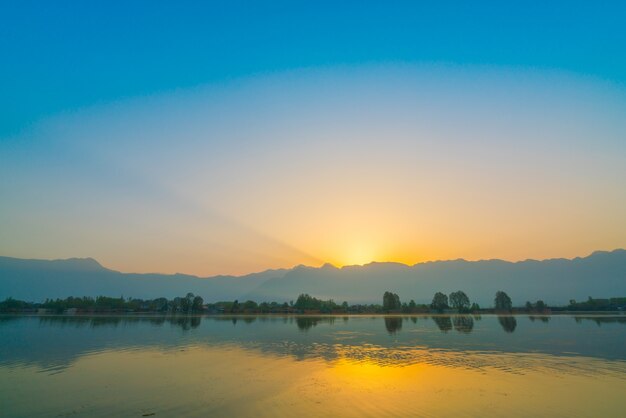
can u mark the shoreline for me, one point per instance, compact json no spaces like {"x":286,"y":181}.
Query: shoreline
{"x":316,"y":315}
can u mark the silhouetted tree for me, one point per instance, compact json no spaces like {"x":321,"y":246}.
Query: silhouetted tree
{"x":440,"y":302}
{"x":249,"y":305}
{"x":306,"y":302}
{"x":459,"y":301}
{"x":159,"y":304}
{"x":391,"y":302}
{"x":502,"y":301}
{"x":13,"y":305}
{"x":235,"y":307}
{"x":189,"y":302}
{"x":540,"y":306}
{"x":197,"y":304}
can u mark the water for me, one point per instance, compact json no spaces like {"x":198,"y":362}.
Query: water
{"x":65,"y":366}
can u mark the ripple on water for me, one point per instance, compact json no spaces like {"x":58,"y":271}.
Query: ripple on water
{"x":516,"y":363}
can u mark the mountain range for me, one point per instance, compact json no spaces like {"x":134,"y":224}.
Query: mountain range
{"x":556,"y":281}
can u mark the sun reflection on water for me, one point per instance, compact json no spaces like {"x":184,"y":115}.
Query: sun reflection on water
{"x":315,"y":366}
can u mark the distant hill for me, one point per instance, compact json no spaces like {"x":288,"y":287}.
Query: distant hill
{"x":556,"y":281}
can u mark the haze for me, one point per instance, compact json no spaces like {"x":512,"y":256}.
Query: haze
{"x":404,"y":160}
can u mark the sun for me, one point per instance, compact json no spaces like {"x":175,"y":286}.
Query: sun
{"x":359,"y":254}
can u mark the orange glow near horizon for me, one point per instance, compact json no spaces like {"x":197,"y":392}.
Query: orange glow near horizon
{"x":347,"y":167}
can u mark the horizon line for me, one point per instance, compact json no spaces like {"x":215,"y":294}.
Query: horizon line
{"x":323,"y":265}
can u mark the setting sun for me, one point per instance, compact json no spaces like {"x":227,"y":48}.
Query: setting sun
{"x":358,"y":254}
{"x":312,"y":208}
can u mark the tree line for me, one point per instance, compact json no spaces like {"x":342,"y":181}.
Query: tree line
{"x":591,"y":304}
{"x":186,"y":304}
{"x":457,"y":301}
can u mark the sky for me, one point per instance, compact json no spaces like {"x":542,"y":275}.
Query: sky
{"x":227,"y":138}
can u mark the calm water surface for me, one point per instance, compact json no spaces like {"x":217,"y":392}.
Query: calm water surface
{"x":268,"y":366}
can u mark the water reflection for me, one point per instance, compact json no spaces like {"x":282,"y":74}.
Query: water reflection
{"x":463,"y":323}
{"x":508,"y":322}
{"x":393,"y":324}
{"x":305,"y":323}
{"x":599,"y":320}
{"x":188,"y":322}
{"x":55,"y":342}
{"x":185,"y":322}
{"x":360,"y":381}
{"x":542,"y":318}
{"x":444,"y":323}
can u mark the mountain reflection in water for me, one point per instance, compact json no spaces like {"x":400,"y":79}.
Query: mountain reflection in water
{"x":340,"y":365}
{"x":56,"y":341}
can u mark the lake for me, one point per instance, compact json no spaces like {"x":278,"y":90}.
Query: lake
{"x":272,"y":366}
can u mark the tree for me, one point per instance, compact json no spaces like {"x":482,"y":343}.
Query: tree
{"x":197,"y":304}
{"x":391,"y":302}
{"x":459,"y":301}
{"x":539,"y":306}
{"x":502,"y":301}
{"x":305,"y":302}
{"x":176,"y":304}
{"x":249,"y":305}
{"x":440,"y":302}
{"x":160,"y":304}
{"x":235,"y":307}
{"x":186,"y":303}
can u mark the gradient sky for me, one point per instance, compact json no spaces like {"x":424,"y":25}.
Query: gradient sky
{"x":229,"y":138}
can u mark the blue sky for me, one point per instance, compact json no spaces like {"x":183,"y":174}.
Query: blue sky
{"x":233,"y":137}
{"x":60,"y":56}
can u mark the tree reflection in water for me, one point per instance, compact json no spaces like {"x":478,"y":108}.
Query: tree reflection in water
{"x":186,"y":322}
{"x":443,"y":322}
{"x":463,"y":323}
{"x":542,"y":318}
{"x":508,"y":322}
{"x":599,"y":320}
{"x":305,"y":323}
{"x":393,"y":324}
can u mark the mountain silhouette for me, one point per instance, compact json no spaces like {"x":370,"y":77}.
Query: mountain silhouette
{"x":556,"y":281}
